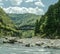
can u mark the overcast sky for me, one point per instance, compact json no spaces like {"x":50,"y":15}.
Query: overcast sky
{"x":26,"y":6}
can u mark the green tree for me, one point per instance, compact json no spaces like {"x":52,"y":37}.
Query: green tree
{"x":50,"y":22}
{"x":37,"y":27}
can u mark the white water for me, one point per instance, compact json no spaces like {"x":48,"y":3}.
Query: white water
{"x":19,"y":49}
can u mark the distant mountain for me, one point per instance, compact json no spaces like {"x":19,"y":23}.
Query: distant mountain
{"x":24,"y":19}
{"x":7,"y":27}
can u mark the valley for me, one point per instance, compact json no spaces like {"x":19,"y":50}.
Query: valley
{"x":30,"y":25}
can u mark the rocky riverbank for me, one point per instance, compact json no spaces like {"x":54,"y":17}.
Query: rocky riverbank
{"x":46,"y":43}
{"x":31,"y":42}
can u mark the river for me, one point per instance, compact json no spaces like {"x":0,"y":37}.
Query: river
{"x":19,"y":49}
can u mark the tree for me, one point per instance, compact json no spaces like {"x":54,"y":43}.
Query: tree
{"x":50,"y":25}
{"x":37,"y":27}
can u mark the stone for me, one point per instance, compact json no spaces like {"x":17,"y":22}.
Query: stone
{"x":27,"y":45}
{"x":39,"y":44}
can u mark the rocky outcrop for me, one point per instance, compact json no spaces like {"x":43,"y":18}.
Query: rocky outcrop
{"x":10,"y":40}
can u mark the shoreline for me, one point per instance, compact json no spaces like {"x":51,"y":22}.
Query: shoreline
{"x":31,"y":42}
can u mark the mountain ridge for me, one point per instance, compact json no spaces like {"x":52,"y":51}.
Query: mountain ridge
{"x":24,"y":19}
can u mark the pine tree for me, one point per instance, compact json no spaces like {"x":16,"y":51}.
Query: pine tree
{"x":37,"y":27}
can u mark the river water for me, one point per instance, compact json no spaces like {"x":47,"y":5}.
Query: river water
{"x":19,"y":49}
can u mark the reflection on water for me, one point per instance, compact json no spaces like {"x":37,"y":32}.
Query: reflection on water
{"x":19,"y":49}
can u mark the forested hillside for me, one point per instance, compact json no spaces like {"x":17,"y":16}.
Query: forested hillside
{"x":7,"y":28}
{"x":49,"y":24}
{"x":24,"y":19}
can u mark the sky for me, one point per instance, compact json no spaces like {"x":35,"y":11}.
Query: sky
{"x":38,"y":7}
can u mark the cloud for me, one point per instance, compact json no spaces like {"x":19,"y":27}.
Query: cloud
{"x":36,"y":11}
{"x":16,"y":2}
{"x":22,"y":6}
{"x":29,"y":0}
{"x":22,"y":10}
{"x":39,"y":3}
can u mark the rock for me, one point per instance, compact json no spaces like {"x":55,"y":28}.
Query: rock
{"x":27,"y":45}
{"x":47,"y":47}
{"x":20,"y":42}
{"x":5,"y":41}
{"x":32,"y":45}
{"x":11,"y":40}
{"x":6,"y":38}
{"x":39,"y":44}
{"x":53,"y":47}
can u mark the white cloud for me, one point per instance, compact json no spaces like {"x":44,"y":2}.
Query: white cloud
{"x":22,"y":10}
{"x":36,"y":2}
{"x":29,"y":0}
{"x":39,"y":3}
{"x":35,"y":11}
{"x":16,"y":2}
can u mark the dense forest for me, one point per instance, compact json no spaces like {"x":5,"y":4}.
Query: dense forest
{"x":49,"y":24}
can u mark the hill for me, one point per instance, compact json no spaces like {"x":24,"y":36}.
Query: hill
{"x":25,"y":23}
{"x":7,"y":27}
{"x":49,"y":24}
{"x":24,"y":19}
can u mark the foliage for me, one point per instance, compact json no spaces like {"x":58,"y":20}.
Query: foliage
{"x":7,"y":27}
{"x":27,"y":33}
{"x":37,"y":27}
{"x":24,"y":19}
{"x":50,"y":22}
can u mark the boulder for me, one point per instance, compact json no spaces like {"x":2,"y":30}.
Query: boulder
{"x":27,"y":45}
{"x":5,"y":41}
{"x":10,"y":40}
{"x":39,"y":43}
